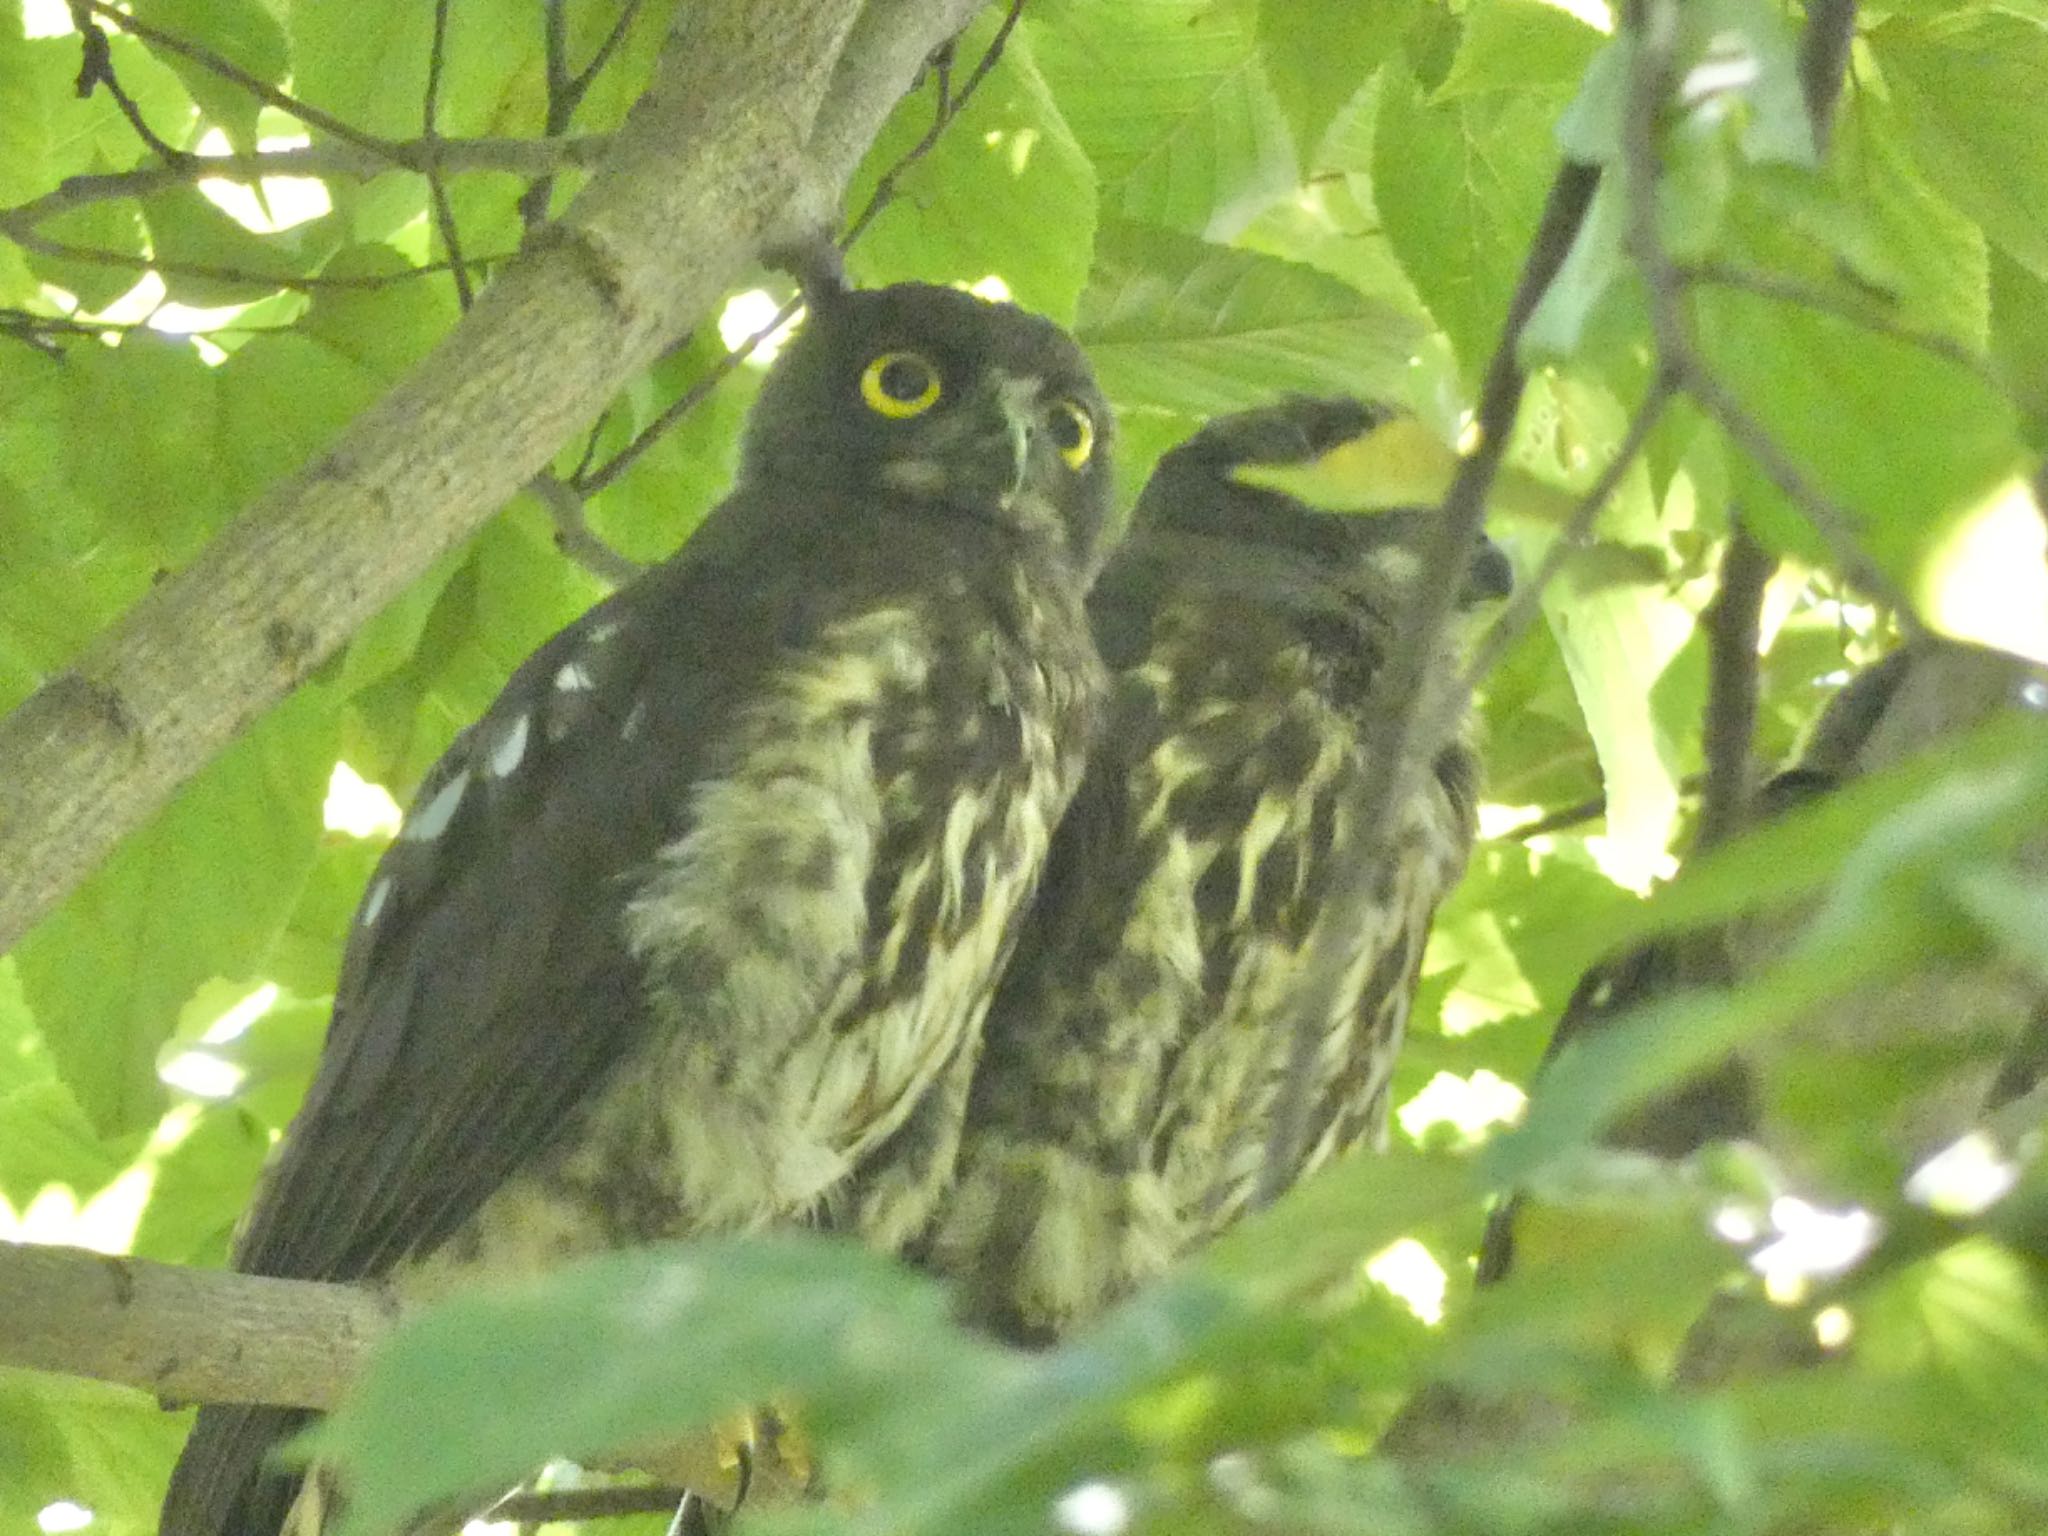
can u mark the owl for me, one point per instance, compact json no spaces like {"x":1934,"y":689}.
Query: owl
{"x":1135,"y":1049}
{"x":1948,"y":1040}
{"x":694,"y":931}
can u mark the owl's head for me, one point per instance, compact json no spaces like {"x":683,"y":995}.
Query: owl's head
{"x":1369,"y":559}
{"x":930,"y":396}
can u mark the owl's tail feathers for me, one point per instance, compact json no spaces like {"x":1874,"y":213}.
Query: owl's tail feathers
{"x":224,"y":1483}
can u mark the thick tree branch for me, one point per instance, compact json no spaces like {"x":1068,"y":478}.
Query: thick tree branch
{"x":757,"y":114}
{"x":187,"y":1335}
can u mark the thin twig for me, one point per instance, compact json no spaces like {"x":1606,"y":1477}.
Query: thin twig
{"x":1522,"y":608}
{"x":96,"y":68}
{"x":43,"y":245}
{"x":1415,"y":695}
{"x":519,"y":157}
{"x":688,"y":401}
{"x":566,"y":90}
{"x":1734,"y":624}
{"x":437,"y":190}
{"x":263,"y":90}
{"x":574,"y":536}
{"x":1824,"y":61}
{"x":533,"y":202}
{"x":579,"y":83}
{"x":1789,"y":290}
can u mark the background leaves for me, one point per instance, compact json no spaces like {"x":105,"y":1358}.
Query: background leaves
{"x":1226,"y":199}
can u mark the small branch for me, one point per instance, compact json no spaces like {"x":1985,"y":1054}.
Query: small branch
{"x":96,"y":68}
{"x":578,"y":85}
{"x":1415,"y":700}
{"x":566,"y":90}
{"x":1734,"y":623}
{"x":574,"y":536}
{"x":448,"y":157}
{"x":28,"y":239}
{"x":186,"y":1335}
{"x":1824,"y":61}
{"x":262,"y":90}
{"x":947,"y":108}
{"x":587,"y":485}
{"x":1527,"y":600}
{"x":437,"y":191}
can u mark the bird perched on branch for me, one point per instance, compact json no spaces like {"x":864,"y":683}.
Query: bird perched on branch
{"x":1135,"y":1050}
{"x":695,"y":928}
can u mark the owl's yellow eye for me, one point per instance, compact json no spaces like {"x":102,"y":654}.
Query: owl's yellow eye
{"x":1073,"y":433}
{"x":900,"y":384}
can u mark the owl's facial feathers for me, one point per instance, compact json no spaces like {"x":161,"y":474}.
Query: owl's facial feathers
{"x":929,"y":393}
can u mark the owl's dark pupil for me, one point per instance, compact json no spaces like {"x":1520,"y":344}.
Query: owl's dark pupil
{"x":1066,"y":430}
{"x":904,"y":379}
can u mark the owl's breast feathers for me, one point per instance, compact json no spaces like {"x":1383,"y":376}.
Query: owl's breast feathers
{"x":1137,"y":1044}
{"x":820,"y":940}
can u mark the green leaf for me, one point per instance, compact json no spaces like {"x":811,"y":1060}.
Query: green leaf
{"x":1170,"y":100}
{"x":1976,"y":118}
{"x":1320,"y":1233}
{"x":1005,"y":191}
{"x":242,"y":32}
{"x":1519,"y":45}
{"x":1319,"y":53}
{"x":201,"y":891}
{"x":1459,"y":187}
{"x":1930,"y":260}
{"x":368,"y":62}
{"x":1902,"y":439}
{"x":1181,"y":326}
{"x":631,"y":1347}
{"x":2019,"y":340}
{"x":1618,"y":638}
{"x":108,"y":1449}
{"x":185,"y":227}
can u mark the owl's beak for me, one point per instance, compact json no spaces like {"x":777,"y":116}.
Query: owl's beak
{"x":1017,"y":400}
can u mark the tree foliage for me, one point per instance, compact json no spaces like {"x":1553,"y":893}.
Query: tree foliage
{"x":1834,"y":322}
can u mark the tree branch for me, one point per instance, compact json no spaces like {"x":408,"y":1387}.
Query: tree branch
{"x":1416,"y":700}
{"x":758,"y":112}
{"x":187,"y":1335}
{"x":1734,"y":622}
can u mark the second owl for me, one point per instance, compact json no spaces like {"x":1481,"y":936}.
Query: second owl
{"x":1135,"y":1049}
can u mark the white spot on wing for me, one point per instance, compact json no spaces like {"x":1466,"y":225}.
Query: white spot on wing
{"x":510,"y":749}
{"x":573,"y":678}
{"x":379,"y":893}
{"x":635,"y":718}
{"x":599,"y":633}
{"x":432,"y":819}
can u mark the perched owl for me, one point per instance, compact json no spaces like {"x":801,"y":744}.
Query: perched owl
{"x":695,"y":929}
{"x":1949,"y":1039}
{"x":1136,"y":1044}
